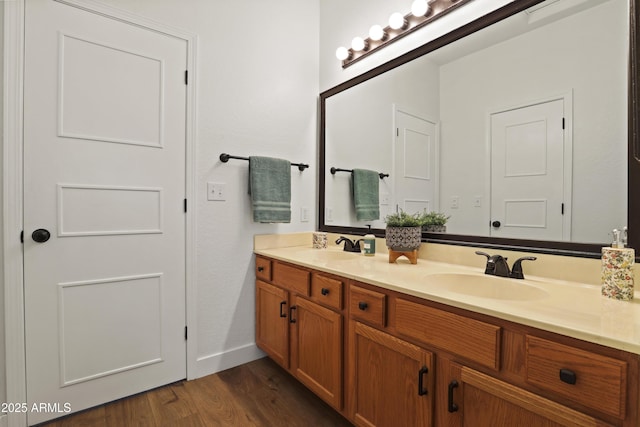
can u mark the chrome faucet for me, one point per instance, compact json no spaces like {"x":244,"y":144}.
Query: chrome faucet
{"x":349,"y":245}
{"x":497,"y":266}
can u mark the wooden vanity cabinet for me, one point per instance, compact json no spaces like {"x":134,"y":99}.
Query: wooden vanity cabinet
{"x":414,"y":362}
{"x":392,"y":380}
{"x":272,"y":323}
{"x":475,"y":399}
{"x":299,"y":324}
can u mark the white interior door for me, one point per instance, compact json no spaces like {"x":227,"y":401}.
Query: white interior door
{"x":104,"y":173}
{"x":527,"y":172}
{"x":415,"y":174}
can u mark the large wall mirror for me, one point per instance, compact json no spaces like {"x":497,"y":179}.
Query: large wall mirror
{"x":519,"y":126}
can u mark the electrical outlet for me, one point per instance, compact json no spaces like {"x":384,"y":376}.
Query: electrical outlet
{"x":477,"y":201}
{"x":304,"y":214}
{"x":455,"y":202}
{"x":328,"y":215}
{"x":216,"y":191}
{"x":384,"y":199}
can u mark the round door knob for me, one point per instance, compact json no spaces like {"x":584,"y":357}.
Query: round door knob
{"x":496,"y":224}
{"x":40,"y":235}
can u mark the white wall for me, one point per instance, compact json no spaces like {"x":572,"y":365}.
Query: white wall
{"x":257,"y":95}
{"x":501,"y":78}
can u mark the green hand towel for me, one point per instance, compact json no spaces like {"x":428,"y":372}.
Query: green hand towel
{"x":270,"y":189}
{"x":366,"y":194}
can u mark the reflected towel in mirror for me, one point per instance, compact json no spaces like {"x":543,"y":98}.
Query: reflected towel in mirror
{"x":366,"y":197}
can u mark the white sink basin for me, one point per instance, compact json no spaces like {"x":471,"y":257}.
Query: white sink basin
{"x":485,"y":286}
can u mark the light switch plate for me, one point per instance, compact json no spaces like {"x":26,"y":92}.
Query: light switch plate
{"x":455,"y":202}
{"x":216,"y":191}
{"x":304,"y":214}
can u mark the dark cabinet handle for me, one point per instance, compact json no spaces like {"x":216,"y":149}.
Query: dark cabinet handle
{"x":282,"y":304}
{"x":496,"y":224}
{"x":568,"y":376}
{"x":452,"y":407}
{"x":324,"y":291}
{"x":260,"y":269}
{"x":421,"y":390}
{"x":291,"y":319}
{"x":363,"y":305}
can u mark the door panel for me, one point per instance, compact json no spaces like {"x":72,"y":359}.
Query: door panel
{"x":415,"y":168}
{"x":527,"y":173}
{"x":104,"y":173}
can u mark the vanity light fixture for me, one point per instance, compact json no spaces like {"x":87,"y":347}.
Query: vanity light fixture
{"x":397,"y":21}
{"x":420,"y":8}
{"x":422,"y":12}
{"x":377,"y":33}
{"x":358,"y":44}
{"x":343,"y":54}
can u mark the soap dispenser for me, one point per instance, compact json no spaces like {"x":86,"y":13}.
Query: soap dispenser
{"x":369,"y":243}
{"x":617,"y":268}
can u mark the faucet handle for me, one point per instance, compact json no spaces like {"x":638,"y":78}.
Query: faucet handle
{"x":516,"y":270}
{"x":489,"y":267}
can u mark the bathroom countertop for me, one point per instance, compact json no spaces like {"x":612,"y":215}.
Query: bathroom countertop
{"x":569,"y":308}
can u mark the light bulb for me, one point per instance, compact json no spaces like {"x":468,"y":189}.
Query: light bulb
{"x":419,"y":8}
{"x":358,"y":44}
{"x":397,"y":21}
{"x":376,"y":33}
{"x":342,"y":53}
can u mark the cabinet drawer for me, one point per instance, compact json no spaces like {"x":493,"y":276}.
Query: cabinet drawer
{"x":473,"y":339}
{"x":370,"y":306}
{"x":263,"y":269}
{"x":599,"y":382}
{"x":292,"y":278}
{"x":327,"y":291}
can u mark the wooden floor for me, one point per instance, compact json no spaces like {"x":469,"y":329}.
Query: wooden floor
{"x":259,"y":393}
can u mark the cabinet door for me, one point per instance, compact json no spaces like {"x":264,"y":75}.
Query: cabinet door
{"x":489,"y":402}
{"x":272,"y":323}
{"x":316,"y":349}
{"x":393,"y":380}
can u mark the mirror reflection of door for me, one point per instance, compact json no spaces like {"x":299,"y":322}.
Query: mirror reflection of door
{"x":415,"y":163}
{"x":530,"y":173}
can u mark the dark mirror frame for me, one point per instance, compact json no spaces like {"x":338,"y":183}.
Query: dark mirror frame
{"x":588,"y":250}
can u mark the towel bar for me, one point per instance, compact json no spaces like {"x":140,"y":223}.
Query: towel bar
{"x":224,"y":158}
{"x":334,"y":170}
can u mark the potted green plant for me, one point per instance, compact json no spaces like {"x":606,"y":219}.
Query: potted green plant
{"x":404,"y":231}
{"x":434,"y":222}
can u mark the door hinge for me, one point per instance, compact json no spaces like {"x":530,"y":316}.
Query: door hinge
{"x":562,"y":209}
{"x":186,"y":77}
{"x":185,"y":205}
{"x":186,"y":335}
{"x":22,"y":236}
{"x":563,"y":123}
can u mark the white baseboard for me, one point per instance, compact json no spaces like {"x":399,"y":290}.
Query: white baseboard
{"x":213,"y":363}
